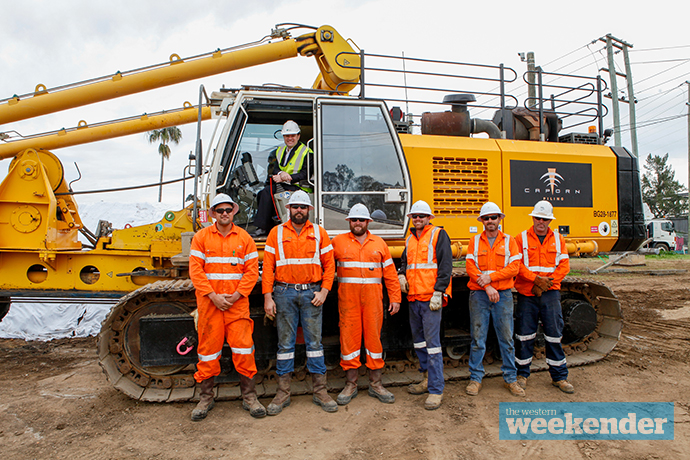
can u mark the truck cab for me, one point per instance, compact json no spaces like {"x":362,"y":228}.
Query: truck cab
{"x":663,"y":234}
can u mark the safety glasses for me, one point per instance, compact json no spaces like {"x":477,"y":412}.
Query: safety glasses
{"x":418,"y":216}
{"x":299,"y":206}
{"x":224,"y":210}
{"x":491,"y":217}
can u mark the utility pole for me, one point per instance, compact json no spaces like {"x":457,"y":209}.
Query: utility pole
{"x":531,"y":75}
{"x":687,"y":238}
{"x":631,"y":100}
{"x":612,"y":42}
{"x":614,"y":92}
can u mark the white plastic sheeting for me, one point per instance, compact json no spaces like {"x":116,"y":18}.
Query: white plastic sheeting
{"x":53,"y":320}
{"x":58,"y":318}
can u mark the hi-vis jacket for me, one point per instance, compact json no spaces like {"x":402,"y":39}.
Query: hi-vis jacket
{"x":501,"y":262}
{"x":295,"y":165}
{"x":298,"y":259}
{"x":224,"y":265}
{"x":544,"y":259}
{"x":427,"y":263}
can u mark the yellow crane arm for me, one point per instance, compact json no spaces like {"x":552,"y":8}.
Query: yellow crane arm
{"x":324,"y":45}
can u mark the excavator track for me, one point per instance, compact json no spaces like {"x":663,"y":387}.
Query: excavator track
{"x":119,"y":345}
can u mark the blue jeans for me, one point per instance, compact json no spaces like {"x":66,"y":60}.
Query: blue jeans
{"x":481,"y":309}
{"x":529,"y":311}
{"x":426,"y":335}
{"x":293,"y":307}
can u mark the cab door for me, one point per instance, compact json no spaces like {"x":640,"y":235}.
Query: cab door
{"x":359,"y":159}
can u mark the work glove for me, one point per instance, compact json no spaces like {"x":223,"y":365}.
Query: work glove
{"x":436,"y":301}
{"x":536,"y":291}
{"x":404,"y":286}
{"x":195,"y":315}
{"x":544,"y":283}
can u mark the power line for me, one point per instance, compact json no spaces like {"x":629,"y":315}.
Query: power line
{"x":658,"y":62}
{"x":664,"y":71}
{"x":660,"y":49}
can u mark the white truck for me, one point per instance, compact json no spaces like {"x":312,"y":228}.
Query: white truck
{"x":660,"y":230}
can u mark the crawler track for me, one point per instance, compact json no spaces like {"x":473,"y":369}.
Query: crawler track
{"x":118,"y":346}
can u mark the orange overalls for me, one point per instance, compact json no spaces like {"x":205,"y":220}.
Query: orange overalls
{"x":360,"y":269}
{"x":224,"y":265}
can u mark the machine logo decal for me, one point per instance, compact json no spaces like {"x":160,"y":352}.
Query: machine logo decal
{"x":566,"y":185}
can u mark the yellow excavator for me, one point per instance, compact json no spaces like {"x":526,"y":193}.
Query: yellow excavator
{"x":366,"y":150}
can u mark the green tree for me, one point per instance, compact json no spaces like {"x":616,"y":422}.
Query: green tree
{"x":660,"y":188}
{"x":165,"y":136}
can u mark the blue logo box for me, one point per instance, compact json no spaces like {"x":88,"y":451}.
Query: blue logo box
{"x":586,"y":420}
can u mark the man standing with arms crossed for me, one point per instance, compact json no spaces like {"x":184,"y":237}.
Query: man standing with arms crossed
{"x":545,"y":263}
{"x":492,"y":261}
{"x":362,"y":260}
{"x":224,"y":268}
{"x":298,"y":272}
{"x":425,"y":275}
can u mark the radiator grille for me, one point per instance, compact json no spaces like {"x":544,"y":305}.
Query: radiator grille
{"x":461,"y":186}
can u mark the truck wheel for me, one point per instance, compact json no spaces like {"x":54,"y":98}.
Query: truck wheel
{"x":663,"y":247}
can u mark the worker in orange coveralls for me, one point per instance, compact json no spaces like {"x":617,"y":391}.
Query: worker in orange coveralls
{"x":362,"y":260}
{"x":224,"y":267}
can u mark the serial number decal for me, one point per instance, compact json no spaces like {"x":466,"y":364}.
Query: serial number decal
{"x":610,"y":214}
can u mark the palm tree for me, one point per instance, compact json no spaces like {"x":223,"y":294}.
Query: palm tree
{"x":165,"y":135}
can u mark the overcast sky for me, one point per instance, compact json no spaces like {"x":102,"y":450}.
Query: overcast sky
{"x":57,"y":43}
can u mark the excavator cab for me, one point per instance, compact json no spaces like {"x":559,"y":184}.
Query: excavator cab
{"x":357,"y":158}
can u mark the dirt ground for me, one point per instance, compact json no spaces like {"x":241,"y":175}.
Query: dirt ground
{"x":55,"y":402}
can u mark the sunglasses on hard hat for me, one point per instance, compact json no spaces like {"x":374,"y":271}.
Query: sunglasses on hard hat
{"x":224,"y":210}
{"x":491,"y":217}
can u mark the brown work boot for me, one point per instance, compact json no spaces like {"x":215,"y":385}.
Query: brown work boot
{"x":564,"y":386}
{"x":421,"y":387}
{"x":376,"y":388}
{"x":522,"y":381}
{"x":473,"y":388}
{"x":282,"y":397}
{"x":350,"y":390}
{"x":433,"y":402}
{"x":321,"y":397}
{"x":205,"y":400}
{"x":514,"y":389}
{"x":249,"y":399}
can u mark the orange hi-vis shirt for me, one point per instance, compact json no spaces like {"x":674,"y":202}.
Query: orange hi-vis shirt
{"x":364,"y":264}
{"x":501,"y":262}
{"x":422,"y":268}
{"x":224,"y":264}
{"x":298,"y":259}
{"x":544,"y":259}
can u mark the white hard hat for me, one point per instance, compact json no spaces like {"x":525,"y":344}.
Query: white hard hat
{"x":359,"y":211}
{"x":379,"y":214}
{"x":299,"y":197}
{"x":543,"y":209}
{"x":489,"y":208}
{"x":290,"y":127}
{"x":223,"y":198}
{"x":420,"y":207}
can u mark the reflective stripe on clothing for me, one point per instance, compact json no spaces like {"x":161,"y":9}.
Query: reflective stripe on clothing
{"x":422,"y":268}
{"x":224,"y":276}
{"x":359,"y":280}
{"x":433,"y":351}
{"x":524,"y":338}
{"x":298,"y":258}
{"x":524,"y":362}
{"x":501,"y":261}
{"x":242,"y":351}
{"x":210,"y":357}
{"x":552,"y":339}
{"x":374,"y":355}
{"x":541,"y":258}
{"x":314,"y":354}
{"x":352,"y":355}
{"x":420,"y":345}
{"x":284,"y":356}
{"x":551,"y":362}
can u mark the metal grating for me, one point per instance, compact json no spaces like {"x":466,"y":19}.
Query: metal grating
{"x":461,"y":185}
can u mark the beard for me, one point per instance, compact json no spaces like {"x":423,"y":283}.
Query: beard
{"x":358,"y":231}
{"x":299,"y":218}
